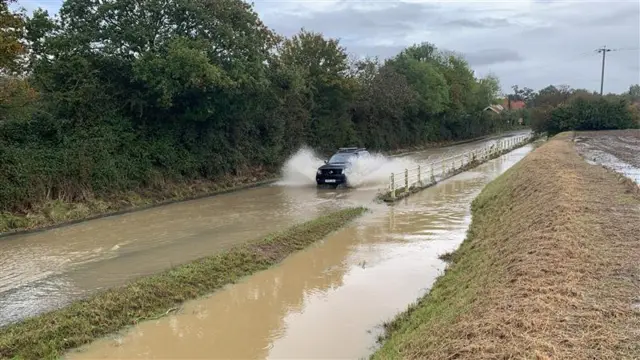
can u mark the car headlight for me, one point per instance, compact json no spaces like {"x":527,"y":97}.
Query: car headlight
{"x":318,"y":172}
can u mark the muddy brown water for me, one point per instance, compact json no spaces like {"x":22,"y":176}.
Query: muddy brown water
{"x":325,"y":302}
{"x":46,"y":270}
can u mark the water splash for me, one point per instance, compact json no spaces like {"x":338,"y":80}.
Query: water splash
{"x":300,"y":169}
{"x":374,"y":171}
{"x":363,"y":172}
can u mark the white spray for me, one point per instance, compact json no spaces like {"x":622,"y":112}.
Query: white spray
{"x":364,"y":172}
{"x":374,"y":171}
{"x":300,"y":169}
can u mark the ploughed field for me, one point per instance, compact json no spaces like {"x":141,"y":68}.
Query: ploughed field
{"x":618,"y":150}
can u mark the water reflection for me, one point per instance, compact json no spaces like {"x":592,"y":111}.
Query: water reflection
{"x":326,"y":301}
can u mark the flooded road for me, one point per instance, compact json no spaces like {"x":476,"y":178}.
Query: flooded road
{"x":326,"y":301}
{"x":46,"y":270}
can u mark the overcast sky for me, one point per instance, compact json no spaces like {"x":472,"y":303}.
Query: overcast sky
{"x":530,"y":43}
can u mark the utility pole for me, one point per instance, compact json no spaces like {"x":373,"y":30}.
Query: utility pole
{"x":604,"y":52}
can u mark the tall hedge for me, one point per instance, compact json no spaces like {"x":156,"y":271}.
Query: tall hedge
{"x":123,"y":95}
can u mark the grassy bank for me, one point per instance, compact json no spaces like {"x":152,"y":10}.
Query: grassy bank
{"x":58,"y":212}
{"x":548,"y":270}
{"x":51,"y":334}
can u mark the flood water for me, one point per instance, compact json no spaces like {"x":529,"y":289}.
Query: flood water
{"x":327,"y":301}
{"x":618,"y":150}
{"x":46,"y":270}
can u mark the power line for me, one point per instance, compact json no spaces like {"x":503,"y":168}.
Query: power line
{"x":604,"y":52}
{"x":626,"y":49}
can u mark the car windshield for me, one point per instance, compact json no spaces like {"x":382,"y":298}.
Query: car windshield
{"x":340,"y":158}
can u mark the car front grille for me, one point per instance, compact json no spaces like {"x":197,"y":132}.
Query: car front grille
{"x":331,"y":171}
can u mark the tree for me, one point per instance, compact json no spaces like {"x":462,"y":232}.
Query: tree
{"x":419,"y":66}
{"x":380,"y":108}
{"x":487,"y":90}
{"x":11,"y":38}
{"x":634,"y":92}
{"x":324,"y":65}
{"x":552,"y":95}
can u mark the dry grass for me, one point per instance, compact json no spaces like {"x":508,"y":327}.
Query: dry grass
{"x":549,"y":270}
{"x":49,"y":335}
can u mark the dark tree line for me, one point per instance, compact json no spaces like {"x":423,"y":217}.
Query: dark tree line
{"x":117,"y":95}
{"x":555,"y":109}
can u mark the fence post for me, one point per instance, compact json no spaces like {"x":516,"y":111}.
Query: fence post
{"x":393,"y":186}
{"x":419,"y":176}
{"x":406,"y":180}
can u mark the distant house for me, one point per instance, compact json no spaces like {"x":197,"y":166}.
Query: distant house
{"x":513,"y":104}
{"x":495,"y":108}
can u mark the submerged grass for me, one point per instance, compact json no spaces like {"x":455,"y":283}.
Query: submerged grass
{"x":58,"y":212}
{"x":548,"y":270}
{"x":49,"y":335}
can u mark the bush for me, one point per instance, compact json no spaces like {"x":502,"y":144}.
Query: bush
{"x":589,"y":114}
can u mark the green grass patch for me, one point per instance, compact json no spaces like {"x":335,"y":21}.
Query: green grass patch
{"x":50,"y":335}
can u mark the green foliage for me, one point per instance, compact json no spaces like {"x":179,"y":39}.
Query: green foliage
{"x":555,"y":109}
{"x":128,"y":95}
{"x":588,"y":114}
{"x":11,"y":37}
{"x":634,"y":93}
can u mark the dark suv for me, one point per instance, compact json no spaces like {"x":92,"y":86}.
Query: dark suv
{"x":333,"y":170}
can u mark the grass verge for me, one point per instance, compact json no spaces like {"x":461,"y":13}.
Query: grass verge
{"x":54,"y":213}
{"x":51,"y":334}
{"x":548,"y":270}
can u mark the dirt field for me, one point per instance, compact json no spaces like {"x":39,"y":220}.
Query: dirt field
{"x":550,"y":269}
{"x":618,"y":150}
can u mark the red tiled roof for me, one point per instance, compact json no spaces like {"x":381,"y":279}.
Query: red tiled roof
{"x":515,"y":104}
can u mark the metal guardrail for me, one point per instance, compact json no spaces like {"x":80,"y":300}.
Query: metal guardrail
{"x":430,"y":173}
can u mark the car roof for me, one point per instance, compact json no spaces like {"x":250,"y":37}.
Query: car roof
{"x":351,"y":150}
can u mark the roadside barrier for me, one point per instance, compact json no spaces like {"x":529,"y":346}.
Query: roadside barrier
{"x":428,"y":174}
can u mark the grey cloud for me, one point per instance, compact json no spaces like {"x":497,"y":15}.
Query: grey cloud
{"x":624,"y":11}
{"x":549,"y":42}
{"x":349,"y":21}
{"x":483,"y":23}
{"x":381,"y":51}
{"x":492,"y":56}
